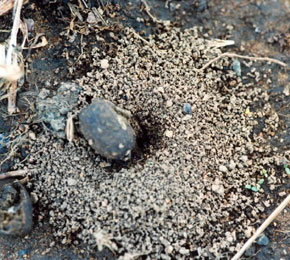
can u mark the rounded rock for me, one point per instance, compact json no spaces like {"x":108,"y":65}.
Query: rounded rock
{"x":107,"y":130}
{"x":223,"y":168}
{"x":263,"y":240}
{"x":15,"y":210}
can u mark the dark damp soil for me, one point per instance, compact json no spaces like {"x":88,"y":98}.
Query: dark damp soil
{"x":259,"y":28}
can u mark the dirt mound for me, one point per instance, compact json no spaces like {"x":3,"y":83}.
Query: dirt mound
{"x":186,"y":196}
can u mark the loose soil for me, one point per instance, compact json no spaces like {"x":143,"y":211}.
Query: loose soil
{"x":183,"y":194}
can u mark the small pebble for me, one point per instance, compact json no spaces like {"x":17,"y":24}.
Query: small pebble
{"x":187,"y":108}
{"x":91,"y":18}
{"x":32,"y":135}
{"x":237,"y":67}
{"x":223,"y":168}
{"x":71,"y":182}
{"x":169,"y":249}
{"x":244,"y":158}
{"x":104,"y":64}
{"x":183,"y":251}
{"x":165,"y":257}
{"x":169,"y":103}
{"x":168,"y":133}
{"x":218,"y":188}
{"x":263,"y":240}
{"x":232,"y":165}
{"x":160,"y":89}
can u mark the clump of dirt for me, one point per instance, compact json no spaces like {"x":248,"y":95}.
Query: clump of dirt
{"x":187,"y":198}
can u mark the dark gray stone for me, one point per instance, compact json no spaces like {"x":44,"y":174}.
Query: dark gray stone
{"x":107,"y":130}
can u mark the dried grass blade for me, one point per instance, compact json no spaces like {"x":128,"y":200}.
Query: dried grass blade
{"x":7,"y":5}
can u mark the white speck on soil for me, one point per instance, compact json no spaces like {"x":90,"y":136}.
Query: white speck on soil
{"x":104,"y":64}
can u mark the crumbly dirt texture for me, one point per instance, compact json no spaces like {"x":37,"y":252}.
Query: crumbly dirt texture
{"x":186,"y":197}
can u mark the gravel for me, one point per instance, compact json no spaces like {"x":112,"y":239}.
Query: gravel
{"x":186,"y":197}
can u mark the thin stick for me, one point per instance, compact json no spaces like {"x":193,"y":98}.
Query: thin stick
{"x":11,"y":174}
{"x":11,"y":57}
{"x":141,"y":38}
{"x":233,"y":55}
{"x":147,"y":10}
{"x":266,"y":223}
{"x":24,"y":180}
{"x":15,"y":28}
{"x":12,"y":98}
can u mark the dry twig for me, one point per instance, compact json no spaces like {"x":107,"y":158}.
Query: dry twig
{"x":233,"y":55}
{"x":24,"y":180}
{"x":11,"y":58}
{"x":36,"y":45}
{"x":14,"y":145}
{"x":153,"y":18}
{"x":141,"y":38}
{"x":12,"y":98}
{"x":98,"y":14}
{"x":266,"y":223}
{"x":18,"y":173}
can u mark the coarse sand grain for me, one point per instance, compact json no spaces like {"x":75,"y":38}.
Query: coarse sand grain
{"x":186,"y":197}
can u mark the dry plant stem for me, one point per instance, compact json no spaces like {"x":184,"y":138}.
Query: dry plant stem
{"x":12,"y":56}
{"x":147,"y":10}
{"x":24,"y":180}
{"x":266,"y":223}
{"x":97,"y":14}
{"x":6,"y":5}
{"x":141,"y":38}
{"x":233,"y":55}
{"x":15,"y":28}
{"x":12,"y":98}
{"x":17,"y":173}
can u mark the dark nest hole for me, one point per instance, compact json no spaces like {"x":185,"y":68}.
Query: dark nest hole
{"x":148,"y":141}
{"x":149,"y":136}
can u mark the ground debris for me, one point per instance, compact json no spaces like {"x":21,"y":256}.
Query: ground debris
{"x":180,"y":193}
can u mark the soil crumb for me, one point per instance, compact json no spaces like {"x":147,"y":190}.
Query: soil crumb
{"x":186,"y":199}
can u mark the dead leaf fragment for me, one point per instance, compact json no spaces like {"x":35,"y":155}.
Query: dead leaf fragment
{"x":11,"y":72}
